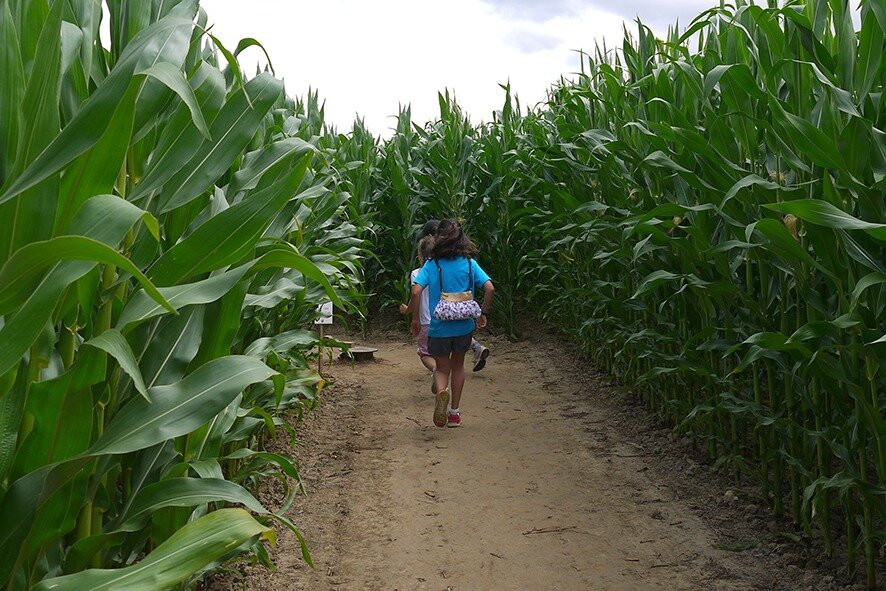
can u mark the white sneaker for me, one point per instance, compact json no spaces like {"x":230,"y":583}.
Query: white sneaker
{"x":480,"y":355}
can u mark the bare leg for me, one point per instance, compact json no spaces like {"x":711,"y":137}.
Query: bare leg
{"x":457,"y":369}
{"x":429,"y":363}
{"x":442,"y":372}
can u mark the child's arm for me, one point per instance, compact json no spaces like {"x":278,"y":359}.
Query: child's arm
{"x":404,"y":308}
{"x":415,"y":327}
{"x":488,"y":293}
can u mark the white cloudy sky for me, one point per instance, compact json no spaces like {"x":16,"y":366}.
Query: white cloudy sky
{"x":367,"y":56}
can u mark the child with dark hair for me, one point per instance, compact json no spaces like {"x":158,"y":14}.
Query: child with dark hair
{"x":450,"y":271}
{"x":429,"y":229}
{"x":480,"y":351}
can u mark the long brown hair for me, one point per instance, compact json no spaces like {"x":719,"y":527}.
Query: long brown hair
{"x":425,"y":248}
{"x":451,"y":241}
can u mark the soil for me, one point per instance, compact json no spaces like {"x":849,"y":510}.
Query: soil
{"x":556,"y":480}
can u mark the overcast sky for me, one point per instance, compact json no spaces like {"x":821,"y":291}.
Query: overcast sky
{"x":366,"y":57}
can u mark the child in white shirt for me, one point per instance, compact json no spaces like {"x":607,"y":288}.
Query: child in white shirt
{"x":425,"y":246}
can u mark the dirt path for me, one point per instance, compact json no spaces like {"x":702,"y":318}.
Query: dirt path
{"x":538,"y":490}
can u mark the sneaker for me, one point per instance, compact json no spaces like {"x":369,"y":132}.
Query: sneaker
{"x":453,"y":420}
{"x":480,"y":355}
{"x":433,"y":384}
{"x":442,"y":401}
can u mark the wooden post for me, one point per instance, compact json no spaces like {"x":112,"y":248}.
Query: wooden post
{"x":324,"y":312}
{"x":320,"y":352}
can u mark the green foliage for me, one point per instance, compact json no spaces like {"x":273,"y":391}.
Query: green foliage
{"x":167,"y":228}
{"x":705,"y":215}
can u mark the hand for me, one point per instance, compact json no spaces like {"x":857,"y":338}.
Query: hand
{"x":482,"y":321}
{"x":404,"y":309}
{"x":415,"y":328}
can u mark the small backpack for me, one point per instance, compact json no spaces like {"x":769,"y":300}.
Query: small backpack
{"x":457,"y":305}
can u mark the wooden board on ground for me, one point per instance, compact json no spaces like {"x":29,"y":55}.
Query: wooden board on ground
{"x":359,"y":353}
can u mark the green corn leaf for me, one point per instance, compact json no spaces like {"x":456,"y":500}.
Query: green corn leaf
{"x":285,"y":463}
{"x":822,"y":213}
{"x":740,"y":77}
{"x":870,"y":54}
{"x":173,"y":78}
{"x":763,"y":342}
{"x":653,"y":280}
{"x":116,"y":345}
{"x":181,"y":492}
{"x":12,"y":403}
{"x":28,"y":217}
{"x":186,"y":552}
{"x":21,"y":502}
{"x":233,"y":64}
{"x":141,"y":307}
{"x":784,"y":243}
{"x":21,"y":274}
{"x":662,"y":160}
{"x":859,"y":254}
{"x":12,"y":88}
{"x":281,"y":343}
{"x":248,"y":42}
{"x":180,"y":138}
{"x":665,"y":210}
{"x":87,"y":16}
{"x":866,"y":282}
{"x":83,"y":551}
{"x":150,"y":465}
{"x":96,"y":171}
{"x":282,"y":290}
{"x":62,"y":412}
{"x":288,"y":258}
{"x":259,"y":162}
{"x":152,"y":45}
{"x":228,"y":237}
{"x":807,"y":138}
{"x":173,"y":346}
{"x":231,"y":131}
{"x":105,"y":219}
{"x":751,"y":180}
{"x":179,"y":408}
{"x":174,"y":410}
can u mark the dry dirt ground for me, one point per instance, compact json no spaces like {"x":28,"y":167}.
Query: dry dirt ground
{"x":556,"y":480}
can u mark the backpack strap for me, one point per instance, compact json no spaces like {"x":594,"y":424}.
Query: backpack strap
{"x":470,"y":276}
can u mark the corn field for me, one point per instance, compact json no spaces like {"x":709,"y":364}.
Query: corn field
{"x":704,"y":215}
{"x":167,"y":227}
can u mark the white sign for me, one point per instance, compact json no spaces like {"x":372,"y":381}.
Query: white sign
{"x":325,"y":312}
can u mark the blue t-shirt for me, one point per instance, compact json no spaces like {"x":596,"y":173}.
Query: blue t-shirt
{"x":455,"y":279}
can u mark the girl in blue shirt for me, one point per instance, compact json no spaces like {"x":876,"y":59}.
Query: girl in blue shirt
{"x":450,"y":340}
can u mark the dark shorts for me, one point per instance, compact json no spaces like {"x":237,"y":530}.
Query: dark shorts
{"x":444,"y":346}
